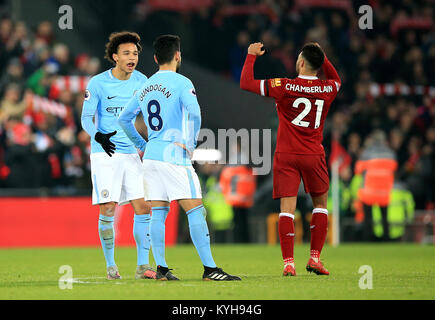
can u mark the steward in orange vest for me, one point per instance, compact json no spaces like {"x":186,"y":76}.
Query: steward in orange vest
{"x":238,"y":185}
{"x":377,"y":165}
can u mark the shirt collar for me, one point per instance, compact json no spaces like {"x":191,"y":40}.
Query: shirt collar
{"x":110,"y":72}
{"x":308,"y":77}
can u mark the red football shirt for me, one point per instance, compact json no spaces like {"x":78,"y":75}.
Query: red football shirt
{"x":302,"y":105}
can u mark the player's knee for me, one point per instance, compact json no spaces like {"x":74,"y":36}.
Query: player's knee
{"x":320,"y":200}
{"x":108,"y":209}
{"x":141,"y":207}
{"x":144,"y":208}
{"x":320,"y":206}
{"x":189,"y":204}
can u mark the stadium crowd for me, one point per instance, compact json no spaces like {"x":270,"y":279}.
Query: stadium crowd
{"x":41,"y":83}
{"x":42,"y":144}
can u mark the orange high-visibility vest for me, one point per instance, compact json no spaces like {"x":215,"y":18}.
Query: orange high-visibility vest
{"x":238,"y":185}
{"x":378,"y":180}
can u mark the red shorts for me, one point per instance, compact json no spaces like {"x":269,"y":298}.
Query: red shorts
{"x":288,"y":169}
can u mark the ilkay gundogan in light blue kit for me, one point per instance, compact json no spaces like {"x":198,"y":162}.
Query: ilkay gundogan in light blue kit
{"x":172,"y":115}
{"x":115,"y":161}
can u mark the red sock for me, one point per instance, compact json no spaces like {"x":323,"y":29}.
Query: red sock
{"x":319,"y":229}
{"x":286,"y":228}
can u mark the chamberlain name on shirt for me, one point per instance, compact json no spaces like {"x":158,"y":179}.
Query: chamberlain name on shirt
{"x":313,"y":89}
{"x":154,"y":87}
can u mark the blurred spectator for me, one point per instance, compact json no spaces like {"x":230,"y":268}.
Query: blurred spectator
{"x":220,"y":212}
{"x":6,"y":27}
{"x":20,"y":157}
{"x":41,"y":80}
{"x":377,"y":165}
{"x":45,"y":33}
{"x":354,"y":147}
{"x":18,"y":43}
{"x":238,"y":54}
{"x":400,"y":213}
{"x":93,"y":66}
{"x":238,"y":185}
{"x":428,"y":168}
{"x":81,"y":63}
{"x":345,"y":201}
{"x":36,"y":57}
{"x":13,"y":74}
{"x":319,"y":32}
{"x":44,"y":144}
{"x":269,"y":66}
{"x":397,"y":145}
{"x":419,"y":171}
{"x":11,"y":106}
{"x":286,"y":56}
{"x":429,"y":64}
{"x":60,"y":59}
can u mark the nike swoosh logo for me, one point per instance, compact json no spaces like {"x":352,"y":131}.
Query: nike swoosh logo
{"x":111,"y":97}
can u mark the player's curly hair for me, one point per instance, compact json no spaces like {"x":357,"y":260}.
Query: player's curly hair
{"x":314,"y":55}
{"x":117,"y":38}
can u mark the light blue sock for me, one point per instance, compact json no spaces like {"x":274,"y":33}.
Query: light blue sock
{"x":107,"y":238}
{"x":157,"y":232}
{"x":141,"y":233}
{"x":200,"y":236}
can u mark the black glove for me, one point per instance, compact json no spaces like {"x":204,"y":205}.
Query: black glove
{"x":104,"y":140}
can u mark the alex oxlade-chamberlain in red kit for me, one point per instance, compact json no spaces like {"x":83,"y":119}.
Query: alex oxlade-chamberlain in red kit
{"x":302,"y":105}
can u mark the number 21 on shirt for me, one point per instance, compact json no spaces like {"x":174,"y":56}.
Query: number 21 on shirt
{"x":307,"y":108}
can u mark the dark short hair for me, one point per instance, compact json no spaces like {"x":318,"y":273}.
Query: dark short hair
{"x":165,"y":47}
{"x":118,"y":38}
{"x":314,"y":55}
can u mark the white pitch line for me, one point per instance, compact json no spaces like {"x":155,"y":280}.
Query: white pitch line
{"x":81,"y":280}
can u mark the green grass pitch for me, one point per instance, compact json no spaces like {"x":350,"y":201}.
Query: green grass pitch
{"x":400,"y":271}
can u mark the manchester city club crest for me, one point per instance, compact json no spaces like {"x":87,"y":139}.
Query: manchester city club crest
{"x":105,"y":193}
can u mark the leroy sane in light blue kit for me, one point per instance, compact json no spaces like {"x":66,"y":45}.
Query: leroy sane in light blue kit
{"x":115,"y":162}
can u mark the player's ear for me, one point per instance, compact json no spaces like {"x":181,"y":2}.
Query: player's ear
{"x":155,"y":59}
{"x":115,"y":57}
{"x":177,"y":56}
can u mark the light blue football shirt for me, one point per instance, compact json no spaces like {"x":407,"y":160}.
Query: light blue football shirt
{"x":105,"y":98}
{"x":172,"y":115}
